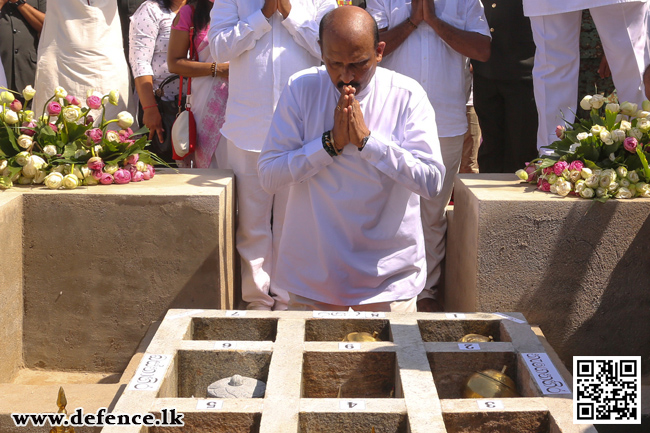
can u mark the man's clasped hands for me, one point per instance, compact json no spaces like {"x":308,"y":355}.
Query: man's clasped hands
{"x":423,"y":10}
{"x":349,"y":126}
{"x":270,"y":6}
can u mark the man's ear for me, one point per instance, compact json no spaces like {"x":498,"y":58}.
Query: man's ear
{"x":379,"y":52}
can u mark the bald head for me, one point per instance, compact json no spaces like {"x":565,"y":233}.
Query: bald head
{"x":348,"y":24}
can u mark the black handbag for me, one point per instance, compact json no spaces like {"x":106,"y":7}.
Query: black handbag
{"x":168,"y":111}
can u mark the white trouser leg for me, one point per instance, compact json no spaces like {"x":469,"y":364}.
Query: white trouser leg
{"x":623,"y":30}
{"x":555,"y":74}
{"x":434,"y":217}
{"x":254,"y":236}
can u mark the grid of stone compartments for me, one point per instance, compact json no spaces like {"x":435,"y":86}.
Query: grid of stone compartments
{"x":411,"y":381}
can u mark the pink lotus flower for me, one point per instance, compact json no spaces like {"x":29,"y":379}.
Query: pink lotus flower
{"x":125,"y":134}
{"x":54,"y":128}
{"x":132,"y":159}
{"x":131,"y":169}
{"x":95,"y":135}
{"x":630,"y":144}
{"x":559,"y":131}
{"x":106,"y":179}
{"x":98,"y":174}
{"x":73,"y":100}
{"x":543,"y":185}
{"x":94,"y":102}
{"x":28,"y":128}
{"x":530,"y":169}
{"x":122,"y":176}
{"x":95,"y":163}
{"x":146,"y":175}
{"x":89,"y":120}
{"x":54,"y":108}
{"x":576,"y":165}
{"x":152,"y":170}
{"x":547,"y":170}
{"x":16,"y":105}
{"x":559,"y":167}
{"x":137,"y":177}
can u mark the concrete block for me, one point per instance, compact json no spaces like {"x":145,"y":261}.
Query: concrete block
{"x":11,"y":287}
{"x":409,"y":382}
{"x":88,"y":272}
{"x":577,"y":268}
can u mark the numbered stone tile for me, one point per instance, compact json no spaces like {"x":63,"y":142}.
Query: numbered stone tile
{"x":197,"y":369}
{"x":349,"y":375}
{"x":353,"y":422}
{"x":451,"y":370}
{"x":455,"y":329}
{"x":234,"y":328}
{"x":338,"y":329}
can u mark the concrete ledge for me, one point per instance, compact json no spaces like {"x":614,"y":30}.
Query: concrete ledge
{"x":577,"y":268}
{"x":396,"y":385}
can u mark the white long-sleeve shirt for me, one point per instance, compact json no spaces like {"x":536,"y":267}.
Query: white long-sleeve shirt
{"x":352,"y":232}
{"x":263,"y":55}
{"x":550,"y":7}
{"x":425,"y":57}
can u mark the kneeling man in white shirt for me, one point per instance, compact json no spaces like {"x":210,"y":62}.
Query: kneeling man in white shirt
{"x":358,"y":146}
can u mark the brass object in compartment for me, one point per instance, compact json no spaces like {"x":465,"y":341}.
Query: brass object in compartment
{"x":361,"y":336}
{"x":476,"y":338}
{"x":490,"y":384}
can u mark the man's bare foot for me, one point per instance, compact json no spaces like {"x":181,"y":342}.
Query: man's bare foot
{"x":429,"y":305}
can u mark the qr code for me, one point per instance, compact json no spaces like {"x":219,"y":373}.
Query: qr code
{"x":607,"y":389}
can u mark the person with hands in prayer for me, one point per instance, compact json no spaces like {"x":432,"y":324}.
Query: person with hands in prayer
{"x":357,"y":146}
{"x":430,"y":42}
{"x":265,"y":42}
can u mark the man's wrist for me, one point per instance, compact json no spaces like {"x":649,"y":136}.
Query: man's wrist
{"x":364,"y":140}
{"x":328,"y":144}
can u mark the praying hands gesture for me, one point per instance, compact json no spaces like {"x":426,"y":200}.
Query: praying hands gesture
{"x":270,"y":6}
{"x":349,"y":126}
{"x":423,"y":10}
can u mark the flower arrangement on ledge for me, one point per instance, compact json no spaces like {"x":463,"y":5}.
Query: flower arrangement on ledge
{"x":603,"y":157}
{"x":64,"y":148}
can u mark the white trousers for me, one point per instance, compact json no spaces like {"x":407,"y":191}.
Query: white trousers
{"x":255,"y":237}
{"x":434,"y":215}
{"x":624,"y":33}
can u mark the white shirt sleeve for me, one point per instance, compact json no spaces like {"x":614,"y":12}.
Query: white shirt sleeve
{"x":285,"y":158}
{"x":143,"y":32}
{"x":377,"y":9}
{"x":475,"y":18}
{"x":416,"y":162}
{"x":303,"y":27}
{"x":230,"y":35}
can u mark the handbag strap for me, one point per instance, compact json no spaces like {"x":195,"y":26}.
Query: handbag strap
{"x":193,"y":54}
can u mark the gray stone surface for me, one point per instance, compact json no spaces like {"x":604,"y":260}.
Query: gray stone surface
{"x":11,"y":287}
{"x":90,"y":269}
{"x":578,"y":268}
{"x":400,"y":385}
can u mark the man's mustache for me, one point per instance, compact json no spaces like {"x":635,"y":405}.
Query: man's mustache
{"x":354,"y":84}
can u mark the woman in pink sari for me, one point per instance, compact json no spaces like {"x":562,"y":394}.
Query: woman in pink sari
{"x":209,"y":79}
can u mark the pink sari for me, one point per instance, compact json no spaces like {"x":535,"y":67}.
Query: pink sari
{"x":209,"y":96}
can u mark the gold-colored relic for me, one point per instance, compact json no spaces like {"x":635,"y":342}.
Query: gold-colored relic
{"x":476,"y":338}
{"x":490,"y":384}
{"x":62,"y":402}
{"x":362,"y":336}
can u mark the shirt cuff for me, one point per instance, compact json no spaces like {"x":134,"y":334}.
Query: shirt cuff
{"x":296,"y":19}
{"x":374,"y":150}
{"x":258,"y":22}
{"x":316,"y":154}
